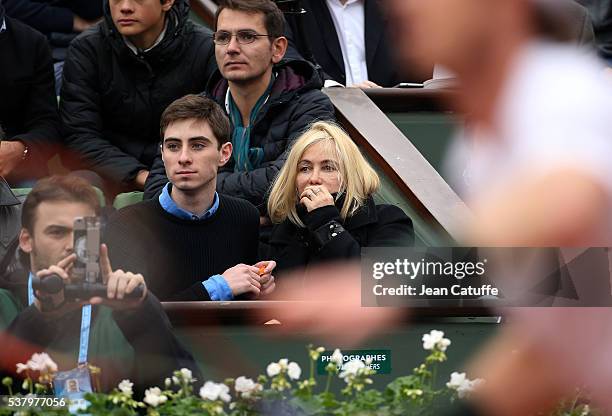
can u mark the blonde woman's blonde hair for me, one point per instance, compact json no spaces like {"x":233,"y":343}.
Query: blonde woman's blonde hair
{"x":358,"y":180}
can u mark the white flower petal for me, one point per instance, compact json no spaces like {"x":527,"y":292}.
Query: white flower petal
{"x":294,"y":371}
{"x":273,"y":369}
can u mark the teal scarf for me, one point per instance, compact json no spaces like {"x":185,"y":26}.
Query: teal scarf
{"x":246,"y":158}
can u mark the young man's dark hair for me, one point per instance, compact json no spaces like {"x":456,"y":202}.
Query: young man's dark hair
{"x":273,"y":20}
{"x":57,"y":189}
{"x":198,"y":108}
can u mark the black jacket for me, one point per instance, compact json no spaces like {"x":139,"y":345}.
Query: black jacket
{"x":10,"y":218}
{"x":371,"y":226}
{"x":295,"y":102}
{"x":112,"y":99}
{"x":28,"y":107}
{"x":49,"y":16}
{"x":324,"y":44}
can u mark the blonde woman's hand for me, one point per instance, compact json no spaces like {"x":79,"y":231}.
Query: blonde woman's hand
{"x":315,"y":197}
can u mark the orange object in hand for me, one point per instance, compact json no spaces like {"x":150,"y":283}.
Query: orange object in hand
{"x":262,"y":269}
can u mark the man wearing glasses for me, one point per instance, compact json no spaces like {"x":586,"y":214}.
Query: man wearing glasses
{"x":269,"y":100}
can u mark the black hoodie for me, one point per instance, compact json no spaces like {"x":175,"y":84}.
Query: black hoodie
{"x":112,"y":99}
{"x":295,"y":102}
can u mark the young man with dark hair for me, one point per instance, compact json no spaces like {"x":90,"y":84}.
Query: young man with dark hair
{"x":269,"y":101}
{"x":181,"y":240}
{"x":28,"y":108}
{"x":120,"y":76}
{"x":121,"y":329}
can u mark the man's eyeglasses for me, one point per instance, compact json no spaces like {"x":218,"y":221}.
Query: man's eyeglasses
{"x":244,"y":37}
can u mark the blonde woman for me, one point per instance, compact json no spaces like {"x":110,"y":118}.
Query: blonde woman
{"x":321,"y":203}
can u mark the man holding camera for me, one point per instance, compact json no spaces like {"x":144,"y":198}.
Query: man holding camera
{"x":110,"y":330}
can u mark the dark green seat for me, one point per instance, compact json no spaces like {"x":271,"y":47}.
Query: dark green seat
{"x":127,"y":198}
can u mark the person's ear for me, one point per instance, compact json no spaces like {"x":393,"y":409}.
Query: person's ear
{"x":25,"y":241}
{"x":279,"y":48}
{"x":225,"y":153}
{"x":167,"y":5}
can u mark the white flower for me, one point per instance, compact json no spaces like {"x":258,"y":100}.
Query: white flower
{"x":351,"y":368}
{"x":443,"y":344}
{"x":186,"y":374}
{"x":283,"y":362}
{"x":462,"y":385}
{"x":215,"y":391}
{"x":154,"y":397}
{"x":273,"y":369}
{"x":368,"y":361}
{"x":337,"y":357}
{"x":39,"y":362}
{"x":21,"y":367}
{"x":246,"y":386}
{"x":168,"y":382}
{"x":435,"y":339}
{"x":586,"y":410}
{"x":175,"y":380}
{"x":125,"y":387}
{"x":294,"y":371}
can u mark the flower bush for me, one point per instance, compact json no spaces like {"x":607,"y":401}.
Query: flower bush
{"x":282,"y":390}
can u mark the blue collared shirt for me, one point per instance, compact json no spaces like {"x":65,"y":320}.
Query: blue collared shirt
{"x":170,"y":207}
{"x":216,"y":285}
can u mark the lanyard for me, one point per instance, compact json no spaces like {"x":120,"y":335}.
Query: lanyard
{"x":85,"y":324}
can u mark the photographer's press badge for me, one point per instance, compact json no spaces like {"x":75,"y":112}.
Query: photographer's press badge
{"x":73,"y":384}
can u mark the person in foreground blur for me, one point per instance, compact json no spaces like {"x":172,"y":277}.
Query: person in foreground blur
{"x":322,"y":203}
{"x":536,"y":133}
{"x":191,"y":242}
{"x":127,"y":335}
{"x":532,"y":162}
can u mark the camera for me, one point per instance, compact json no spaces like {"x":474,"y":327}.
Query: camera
{"x":86,"y":280}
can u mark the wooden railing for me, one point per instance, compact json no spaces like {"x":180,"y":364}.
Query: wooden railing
{"x":186,"y":314}
{"x":362,"y":114}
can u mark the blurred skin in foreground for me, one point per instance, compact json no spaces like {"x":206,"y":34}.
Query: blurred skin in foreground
{"x":542,"y":355}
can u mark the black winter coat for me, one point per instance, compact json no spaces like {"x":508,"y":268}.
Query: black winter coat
{"x":28,"y":106}
{"x":112,"y":99}
{"x":371,"y":226}
{"x":321,"y":38}
{"x":295,"y":102}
